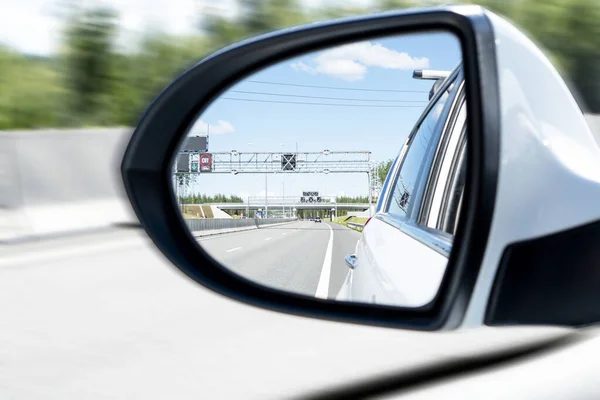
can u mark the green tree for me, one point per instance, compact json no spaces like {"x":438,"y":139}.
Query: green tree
{"x":91,"y":82}
{"x":383,"y":170}
{"x":260,"y":16}
{"x":351,"y":200}
{"x":395,"y":4}
{"x":223,"y":32}
{"x":569,"y":33}
{"x":257,"y":17}
{"x":90,"y":36}
{"x":184,"y":179}
{"x":579,"y":49}
{"x":333,"y":12}
{"x":30,"y":91}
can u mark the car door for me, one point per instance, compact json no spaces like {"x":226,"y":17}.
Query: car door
{"x":402,"y":254}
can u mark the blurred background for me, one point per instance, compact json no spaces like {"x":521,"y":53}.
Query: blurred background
{"x":90,"y":308}
{"x":76,"y":75}
{"x":99,"y":63}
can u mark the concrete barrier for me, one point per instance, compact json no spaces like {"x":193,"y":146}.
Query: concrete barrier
{"x":60,"y":181}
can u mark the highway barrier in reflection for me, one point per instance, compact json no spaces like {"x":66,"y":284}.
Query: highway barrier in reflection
{"x":218,"y":224}
{"x":355,"y":226}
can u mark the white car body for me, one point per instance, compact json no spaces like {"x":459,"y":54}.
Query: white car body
{"x":545,"y":143}
{"x":398,"y":262}
{"x":550,"y":160}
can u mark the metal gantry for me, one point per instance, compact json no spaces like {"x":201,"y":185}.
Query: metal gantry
{"x":374,"y":182}
{"x":234,"y":162}
{"x":197,"y":163}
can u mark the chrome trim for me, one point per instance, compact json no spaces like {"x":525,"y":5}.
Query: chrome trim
{"x":440,"y":151}
{"x":434,"y":239}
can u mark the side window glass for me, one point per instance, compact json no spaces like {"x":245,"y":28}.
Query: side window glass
{"x":415,"y":165}
{"x":455,"y":194}
{"x":447,"y":167}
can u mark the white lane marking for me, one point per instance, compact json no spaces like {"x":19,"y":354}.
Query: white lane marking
{"x":323,"y":286}
{"x":234,"y":249}
{"x":268,"y":238}
{"x":77,"y":250}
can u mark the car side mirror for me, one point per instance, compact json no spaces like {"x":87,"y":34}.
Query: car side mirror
{"x":525,"y":228}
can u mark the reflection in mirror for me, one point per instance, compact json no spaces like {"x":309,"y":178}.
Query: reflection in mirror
{"x":338,"y":174}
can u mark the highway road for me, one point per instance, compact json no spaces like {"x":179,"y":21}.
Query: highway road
{"x":105,"y":315}
{"x":303,"y":257}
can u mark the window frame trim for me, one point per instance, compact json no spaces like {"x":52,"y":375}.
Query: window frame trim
{"x":458,"y":161}
{"x":451,"y":79}
{"x":439,"y":241}
{"x":435,"y":239}
{"x":441,"y":150}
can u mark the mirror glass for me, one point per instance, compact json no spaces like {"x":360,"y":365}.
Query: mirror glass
{"x":337,"y":174}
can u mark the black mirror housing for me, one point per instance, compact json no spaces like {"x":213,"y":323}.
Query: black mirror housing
{"x":147,"y":162}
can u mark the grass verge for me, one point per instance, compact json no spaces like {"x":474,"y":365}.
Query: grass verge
{"x":197,"y":211}
{"x":345,"y":219}
{"x":208,"y":213}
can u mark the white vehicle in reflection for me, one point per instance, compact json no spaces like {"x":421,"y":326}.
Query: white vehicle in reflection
{"x":403,"y":251}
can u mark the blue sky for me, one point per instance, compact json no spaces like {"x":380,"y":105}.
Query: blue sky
{"x":380,"y":64}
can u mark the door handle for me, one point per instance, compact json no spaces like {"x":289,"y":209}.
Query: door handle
{"x":351,"y":261}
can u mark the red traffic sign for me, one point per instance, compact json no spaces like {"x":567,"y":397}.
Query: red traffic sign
{"x":205,"y":162}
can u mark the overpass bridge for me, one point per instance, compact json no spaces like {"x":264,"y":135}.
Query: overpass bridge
{"x":289,"y":205}
{"x":299,"y":206}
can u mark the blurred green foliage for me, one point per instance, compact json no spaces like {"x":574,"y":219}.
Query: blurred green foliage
{"x":92,"y":82}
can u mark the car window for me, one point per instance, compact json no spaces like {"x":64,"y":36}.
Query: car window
{"x":415,"y":164}
{"x":453,"y":196}
{"x":443,"y":178}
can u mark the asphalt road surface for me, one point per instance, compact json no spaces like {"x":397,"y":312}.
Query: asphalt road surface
{"x":105,"y":316}
{"x":303,"y":257}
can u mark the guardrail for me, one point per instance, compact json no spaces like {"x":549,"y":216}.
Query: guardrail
{"x":354,"y":225}
{"x":205,"y":224}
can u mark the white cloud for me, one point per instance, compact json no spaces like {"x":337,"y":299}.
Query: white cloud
{"x":351,"y":62}
{"x":201,"y":128}
{"x":345,"y":69}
